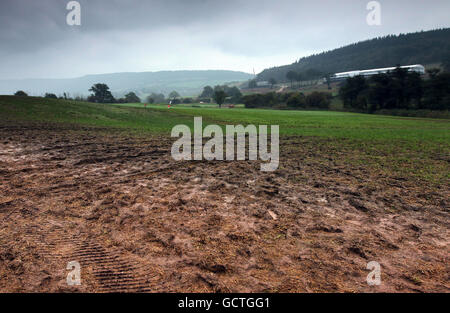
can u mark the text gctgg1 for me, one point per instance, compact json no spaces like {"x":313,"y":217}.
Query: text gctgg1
{"x":245,"y":303}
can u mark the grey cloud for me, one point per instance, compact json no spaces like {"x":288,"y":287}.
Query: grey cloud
{"x":132,"y":35}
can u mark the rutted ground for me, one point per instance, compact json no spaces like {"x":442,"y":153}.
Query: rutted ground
{"x":137,"y":220}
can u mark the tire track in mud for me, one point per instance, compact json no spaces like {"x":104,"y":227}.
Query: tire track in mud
{"x":111,"y":272}
{"x":59,"y":242}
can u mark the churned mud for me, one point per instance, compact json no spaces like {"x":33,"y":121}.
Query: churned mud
{"x":138,"y":221}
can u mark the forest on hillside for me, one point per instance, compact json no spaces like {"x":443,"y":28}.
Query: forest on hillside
{"x":416,"y":48}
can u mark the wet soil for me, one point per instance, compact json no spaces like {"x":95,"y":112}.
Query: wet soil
{"x":138,"y":221}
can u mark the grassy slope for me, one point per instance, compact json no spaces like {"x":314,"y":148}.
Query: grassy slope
{"x":412,"y":146}
{"x":160,"y":119}
{"x":322,"y":123}
{"x":89,"y":114}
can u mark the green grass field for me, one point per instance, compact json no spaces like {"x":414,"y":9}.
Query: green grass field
{"x":415,"y":146}
{"x":318,"y":123}
{"x":160,"y":119}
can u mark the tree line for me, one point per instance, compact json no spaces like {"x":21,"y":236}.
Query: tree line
{"x":398,"y":89}
{"x":221,"y":94}
{"x":100,"y":93}
{"x":290,"y":100}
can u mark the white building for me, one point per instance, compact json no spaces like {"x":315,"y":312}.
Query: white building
{"x":344,"y":75}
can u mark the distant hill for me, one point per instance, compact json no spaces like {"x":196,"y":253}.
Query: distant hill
{"x":416,"y":48}
{"x":186,"y":83}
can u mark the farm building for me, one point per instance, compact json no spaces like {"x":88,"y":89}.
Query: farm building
{"x":344,"y":75}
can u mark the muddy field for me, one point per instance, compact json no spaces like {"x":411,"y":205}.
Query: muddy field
{"x":136,"y":220}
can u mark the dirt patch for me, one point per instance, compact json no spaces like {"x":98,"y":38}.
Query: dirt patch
{"x":136,"y":220}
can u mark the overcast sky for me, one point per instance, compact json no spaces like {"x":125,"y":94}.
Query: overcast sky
{"x":153,"y":35}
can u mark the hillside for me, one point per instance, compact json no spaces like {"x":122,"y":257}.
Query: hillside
{"x":187,"y":83}
{"x":415,"y":48}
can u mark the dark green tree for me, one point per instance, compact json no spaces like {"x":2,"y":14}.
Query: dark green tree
{"x":156,"y":98}
{"x":50,"y":96}
{"x":437,"y":92}
{"x":173,"y":95}
{"x":219,"y":97}
{"x":132,"y":98}
{"x":234,"y":93}
{"x":101,"y":94}
{"x":208,"y":92}
{"x":380,"y":91}
{"x":414,"y":90}
{"x":319,"y":100}
{"x":398,"y":89}
{"x":328,"y":80}
{"x":21,"y":93}
{"x":296,"y":100}
{"x":350,"y":91}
